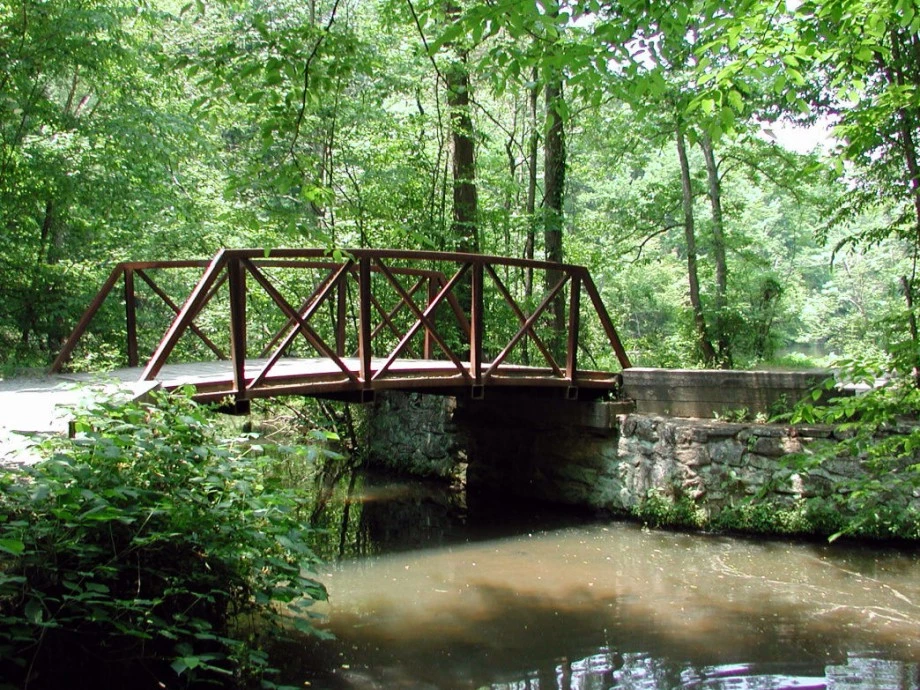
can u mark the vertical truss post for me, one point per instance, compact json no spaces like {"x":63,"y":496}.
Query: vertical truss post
{"x":432,"y":294}
{"x":476,"y":324}
{"x":340,"y":315}
{"x":571,"y":360}
{"x":131,"y":317}
{"x":364,"y":321}
{"x":237,"y":287}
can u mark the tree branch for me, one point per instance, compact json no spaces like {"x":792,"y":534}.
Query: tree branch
{"x":298,"y":123}
{"x":655,"y":234}
{"x":421,"y":34}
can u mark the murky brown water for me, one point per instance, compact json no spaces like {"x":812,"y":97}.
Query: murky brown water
{"x":616,"y":606}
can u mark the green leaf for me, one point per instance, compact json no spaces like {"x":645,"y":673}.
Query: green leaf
{"x":12,"y":546}
{"x":183,"y":664}
{"x":735,"y":100}
{"x":304,"y":626}
{"x":272,"y":77}
{"x":34,"y":611}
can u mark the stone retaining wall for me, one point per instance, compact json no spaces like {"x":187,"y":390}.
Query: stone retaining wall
{"x":586,"y":454}
{"x":415,"y":434}
{"x":718,"y":462}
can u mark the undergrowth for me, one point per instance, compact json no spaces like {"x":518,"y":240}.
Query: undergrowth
{"x":879,"y":428}
{"x":147,"y":552}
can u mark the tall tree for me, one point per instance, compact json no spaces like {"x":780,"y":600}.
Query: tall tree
{"x":723,"y":342}
{"x":530,"y":207}
{"x":463,"y":148}
{"x":696,"y":303}
{"x":554,"y":195}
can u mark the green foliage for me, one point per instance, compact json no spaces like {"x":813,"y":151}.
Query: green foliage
{"x":879,"y":428}
{"x":148,"y":543}
{"x":756,"y":515}
{"x":146,"y":131}
{"x":97,"y":157}
{"x":741,"y":414}
{"x":866,"y":49}
{"x":830,"y":517}
{"x":855,"y":308}
{"x":661,"y":509}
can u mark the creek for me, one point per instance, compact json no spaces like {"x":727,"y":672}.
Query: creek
{"x":428,"y":591}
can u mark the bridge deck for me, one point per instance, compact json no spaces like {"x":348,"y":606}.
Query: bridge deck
{"x":33,"y":407}
{"x":38,"y":405}
{"x":319,"y":376}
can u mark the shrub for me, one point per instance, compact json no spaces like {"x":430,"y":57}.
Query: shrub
{"x":659,"y":509}
{"x":879,"y":427}
{"x":147,"y":549}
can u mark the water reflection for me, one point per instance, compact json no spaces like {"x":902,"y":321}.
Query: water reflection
{"x":360,"y":514}
{"x":466,"y":603}
{"x":363,"y":513}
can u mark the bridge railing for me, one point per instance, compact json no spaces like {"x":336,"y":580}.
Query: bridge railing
{"x":133,"y":277}
{"x":371,"y":314}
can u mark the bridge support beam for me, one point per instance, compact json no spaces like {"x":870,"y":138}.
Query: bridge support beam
{"x":236,"y":406}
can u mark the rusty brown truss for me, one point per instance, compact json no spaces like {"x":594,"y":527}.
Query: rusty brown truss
{"x":363,"y":320}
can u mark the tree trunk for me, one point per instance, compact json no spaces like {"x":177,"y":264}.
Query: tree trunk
{"x":907,"y":287}
{"x":720,"y":334}
{"x":554,"y":185}
{"x":510,"y":195}
{"x":464,"y":234}
{"x":706,"y":349}
{"x":531,"y":207}
{"x":464,"y":226}
{"x":907,"y":126}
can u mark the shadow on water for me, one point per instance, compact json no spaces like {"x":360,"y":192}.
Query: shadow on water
{"x":363,"y":513}
{"x":430,"y":593}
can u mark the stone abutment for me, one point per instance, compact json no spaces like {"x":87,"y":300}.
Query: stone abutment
{"x":594,"y":455}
